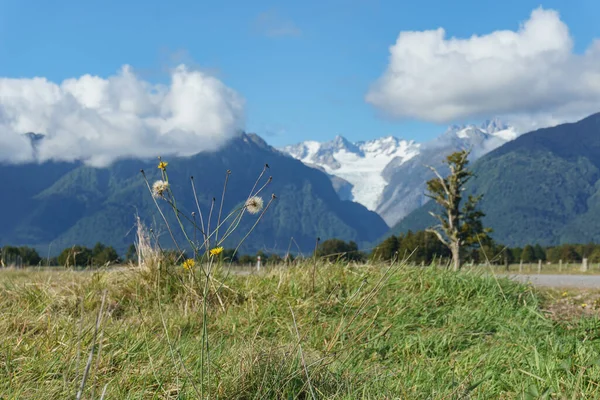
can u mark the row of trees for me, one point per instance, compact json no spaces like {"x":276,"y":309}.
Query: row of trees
{"x":421,"y":247}
{"x":73,"y":256}
{"x":424,"y":247}
{"x":100,"y":254}
{"x":82,"y":256}
{"x":554,"y":254}
{"x":11,"y":255}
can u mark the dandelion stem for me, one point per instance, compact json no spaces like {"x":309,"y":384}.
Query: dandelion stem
{"x":195,"y":239}
{"x":212,"y":206}
{"x":273,"y":197}
{"x":238,"y":219}
{"x":160,"y":211}
{"x":263,"y":186}
{"x":258,"y":180}
{"x":196,"y":226}
{"x":198,"y":206}
{"x":177,"y":212}
{"x":221,"y":206}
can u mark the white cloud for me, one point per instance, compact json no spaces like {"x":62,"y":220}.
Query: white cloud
{"x":530,"y":77}
{"x":100,"y":120}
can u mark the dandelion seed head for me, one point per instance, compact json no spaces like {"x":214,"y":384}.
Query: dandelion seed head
{"x":254,"y":204}
{"x":159,"y":188}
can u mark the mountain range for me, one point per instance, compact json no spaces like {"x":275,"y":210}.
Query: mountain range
{"x":539,"y":187}
{"x":543,"y":187}
{"x":55,"y":205}
{"x":388,"y":175}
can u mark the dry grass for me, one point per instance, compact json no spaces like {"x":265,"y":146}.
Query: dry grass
{"x":366,"y":332}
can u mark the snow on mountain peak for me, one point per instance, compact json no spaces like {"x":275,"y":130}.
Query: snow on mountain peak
{"x":494,"y":125}
{"x":488,"y":129}
{"x":362,"y":164}
{"x":463,"y":133}
{"x":507,"y":134}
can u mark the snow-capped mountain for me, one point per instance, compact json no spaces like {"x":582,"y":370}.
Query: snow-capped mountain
{"x":483,"y":138}
{"x":387,"y":175}
{"x":360,"y":164}
{"x":405,"y":189}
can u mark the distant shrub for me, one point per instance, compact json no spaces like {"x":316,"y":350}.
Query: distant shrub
{"x":76,"y":256}
{"x":338,"y":250}
{"x":81,"y":256}
{"x":19,"y":255}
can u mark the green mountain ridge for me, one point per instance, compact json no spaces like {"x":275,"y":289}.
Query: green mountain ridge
{"x":543,"y":187}
{"x":57,"y":205}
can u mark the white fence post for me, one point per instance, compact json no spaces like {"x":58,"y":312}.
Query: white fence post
{"x":584,"y":265}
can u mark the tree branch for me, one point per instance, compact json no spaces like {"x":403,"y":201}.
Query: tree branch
{"x":438,"y":217}
{"x":442,"y":181}
{"x":439,"y":236}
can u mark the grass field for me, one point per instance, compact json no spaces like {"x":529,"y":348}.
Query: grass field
{"x":365,"y":332}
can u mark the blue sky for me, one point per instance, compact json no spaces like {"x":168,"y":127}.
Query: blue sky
{"x":303,"y":68}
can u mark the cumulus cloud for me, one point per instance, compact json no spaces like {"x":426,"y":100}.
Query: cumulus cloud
{"x":98,"y":120}
{"x":530,"y":77}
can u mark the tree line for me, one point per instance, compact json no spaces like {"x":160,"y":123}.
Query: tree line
{"x":423,"y":248}
{"x":420,"y":247}
{"x":100,"y":255}
{"x":75,"y":256}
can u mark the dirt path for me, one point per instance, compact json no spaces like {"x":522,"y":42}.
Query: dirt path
{"x":561,"y":281}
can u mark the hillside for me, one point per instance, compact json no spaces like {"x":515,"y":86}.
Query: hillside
{"x":58,"y":205}
{"x":543,"y":187}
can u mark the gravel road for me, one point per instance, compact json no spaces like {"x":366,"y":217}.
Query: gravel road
{"x":561,"y":281}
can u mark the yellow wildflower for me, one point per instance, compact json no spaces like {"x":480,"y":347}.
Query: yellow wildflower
{"x":189,"y":264}
{"x":216,"y":251}
{"x":583,"y":305}
{"x":565,"y":294}
{"x":162,"y":165}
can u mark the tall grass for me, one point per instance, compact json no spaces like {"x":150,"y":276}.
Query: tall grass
{"x":366,"y":332}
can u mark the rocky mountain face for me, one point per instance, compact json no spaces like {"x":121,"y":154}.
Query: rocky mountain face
{"x":388,"y":175}
{"x":360,"y":164}
{"x":56,"y":205}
